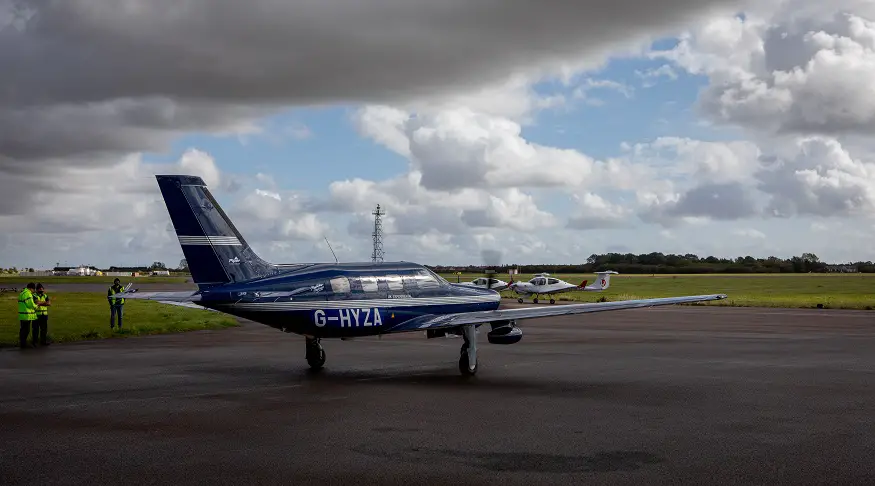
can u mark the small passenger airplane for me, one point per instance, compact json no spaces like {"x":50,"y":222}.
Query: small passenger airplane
{"x":544,"y":284}
{"x":487,"y":282}
{"x":337,"y":300}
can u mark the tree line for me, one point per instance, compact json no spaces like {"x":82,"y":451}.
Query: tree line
{"x":651,"y":263}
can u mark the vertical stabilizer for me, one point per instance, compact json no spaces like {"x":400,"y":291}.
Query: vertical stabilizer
{"x":215,"y":251}
{"x":603,"y":282}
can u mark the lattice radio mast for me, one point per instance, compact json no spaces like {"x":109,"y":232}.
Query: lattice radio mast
{"x":377,"y":255}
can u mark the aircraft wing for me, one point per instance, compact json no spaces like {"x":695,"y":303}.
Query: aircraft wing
{"x":187,"y":296}
{"x":433,"y":321}
{"x":189,"y":305}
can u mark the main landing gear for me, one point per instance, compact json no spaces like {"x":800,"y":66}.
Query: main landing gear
{"x":468,"y":358}
{"x":315,"y":353}
{"x":535,"y":300}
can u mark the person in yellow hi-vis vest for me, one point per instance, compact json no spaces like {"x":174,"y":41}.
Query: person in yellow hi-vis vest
{"x":41,"y":324}
{"x":26,"y":313}
{"x":116,"y":306}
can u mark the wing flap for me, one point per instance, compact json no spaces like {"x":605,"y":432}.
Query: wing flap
{"x":432,"y":321}
{"x":188,"y":305}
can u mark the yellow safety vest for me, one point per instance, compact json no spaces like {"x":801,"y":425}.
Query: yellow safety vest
{"x":26,"y":306}
{"x":112,"y":291}
{"x":41,"y":310}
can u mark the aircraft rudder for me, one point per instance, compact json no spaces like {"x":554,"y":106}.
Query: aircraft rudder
{"x":604,"y":280}
{"x":214,"y":250}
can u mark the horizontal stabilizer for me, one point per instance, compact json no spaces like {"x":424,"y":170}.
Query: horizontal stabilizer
{"x":432,"y":321}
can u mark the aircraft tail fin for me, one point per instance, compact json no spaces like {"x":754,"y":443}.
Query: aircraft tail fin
{"x":603,"y":282}
{"x":215,"y":251}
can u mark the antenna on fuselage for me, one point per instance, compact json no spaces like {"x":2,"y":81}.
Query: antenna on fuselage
{"x":332,"y":249}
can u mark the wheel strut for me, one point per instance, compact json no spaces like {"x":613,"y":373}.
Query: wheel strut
{"x":468,"y":358}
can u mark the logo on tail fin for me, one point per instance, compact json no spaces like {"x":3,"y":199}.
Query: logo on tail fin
{"x":234,"y":260}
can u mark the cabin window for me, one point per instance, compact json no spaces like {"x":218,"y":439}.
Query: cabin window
{"x":369,"y":284}
{"x":394,"y":282}
{"x":552,"y":281}
{"x":340,"y":285}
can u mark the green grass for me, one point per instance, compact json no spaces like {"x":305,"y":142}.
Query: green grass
{"x":76,"y":316}
{"x":20,"y":282}
{"x":835,"y":291}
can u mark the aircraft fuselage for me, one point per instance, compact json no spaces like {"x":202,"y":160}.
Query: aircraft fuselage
{"x":346,"y":300}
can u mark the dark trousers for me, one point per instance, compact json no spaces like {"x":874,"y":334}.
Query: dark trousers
{"x":23,"y":332}
{"x":113,"y":310}
{"x":40,"y":329}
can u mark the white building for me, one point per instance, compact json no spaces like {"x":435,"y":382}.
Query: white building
{"x":82,"y":271}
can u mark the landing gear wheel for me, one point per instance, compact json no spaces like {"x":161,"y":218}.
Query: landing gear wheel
{"x":315,"y":354}
{"x":463,"y":365}
{"x":552,"y":301}
{"x":535,"y":300}
{"x":520,"y":300}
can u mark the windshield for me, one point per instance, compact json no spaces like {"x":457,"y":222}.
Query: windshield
{"x":437,"y":277}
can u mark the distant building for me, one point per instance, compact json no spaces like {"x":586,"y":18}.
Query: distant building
{"x":38,"y":273}
{"x":161,"y":272}
{"x":119,"y":274}
{"x":83,"y":271}
{"x":841,"y":268}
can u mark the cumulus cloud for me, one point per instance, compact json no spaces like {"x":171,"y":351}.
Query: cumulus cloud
{"x":84,"y":85}
{"x":821,"y":179}
{"x":460,"y":148}
{"x":114,"y":211}
{"x":788,"y":67}
{"x":594,"y":212}
{"x":450,"y":88}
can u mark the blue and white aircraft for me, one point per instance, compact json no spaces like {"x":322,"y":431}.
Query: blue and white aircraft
{"x":337,"y":300}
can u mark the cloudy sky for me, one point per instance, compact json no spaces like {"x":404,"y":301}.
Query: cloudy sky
{"x":546,"y":129}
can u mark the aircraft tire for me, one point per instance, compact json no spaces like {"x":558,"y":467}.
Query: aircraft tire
{"x":520,"y":300}
{"x":463,"y":366}
{"x":318,"y":361}
{"x":552,"y":301}
{"x":535,"y":300}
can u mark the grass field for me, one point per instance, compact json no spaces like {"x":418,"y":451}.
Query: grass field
{"x":85,"y":315}
{"x":20,"y":282}
{"x":78,"y":316}
{"x":833,"y":291}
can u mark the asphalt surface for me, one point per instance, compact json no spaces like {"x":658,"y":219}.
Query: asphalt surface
{"x":686,"y":395}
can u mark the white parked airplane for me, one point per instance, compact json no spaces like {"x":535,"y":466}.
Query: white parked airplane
{"x":543,"y":283}
{"x":484,"y":282}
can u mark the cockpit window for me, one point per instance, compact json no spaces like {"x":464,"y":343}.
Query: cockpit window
{"x":340,"y":285}
{"x":369,"y":284}
{"x":394,"y":282}
{"x":437,"y":277}
{"x":426,"y":279}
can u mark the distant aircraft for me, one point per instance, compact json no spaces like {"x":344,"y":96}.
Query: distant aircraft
{"x":337,"y":300}
{"x":487,"y":282}
{"x":544,"y":284}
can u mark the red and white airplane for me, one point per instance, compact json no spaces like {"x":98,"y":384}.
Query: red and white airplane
{"x":544,"y":284}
